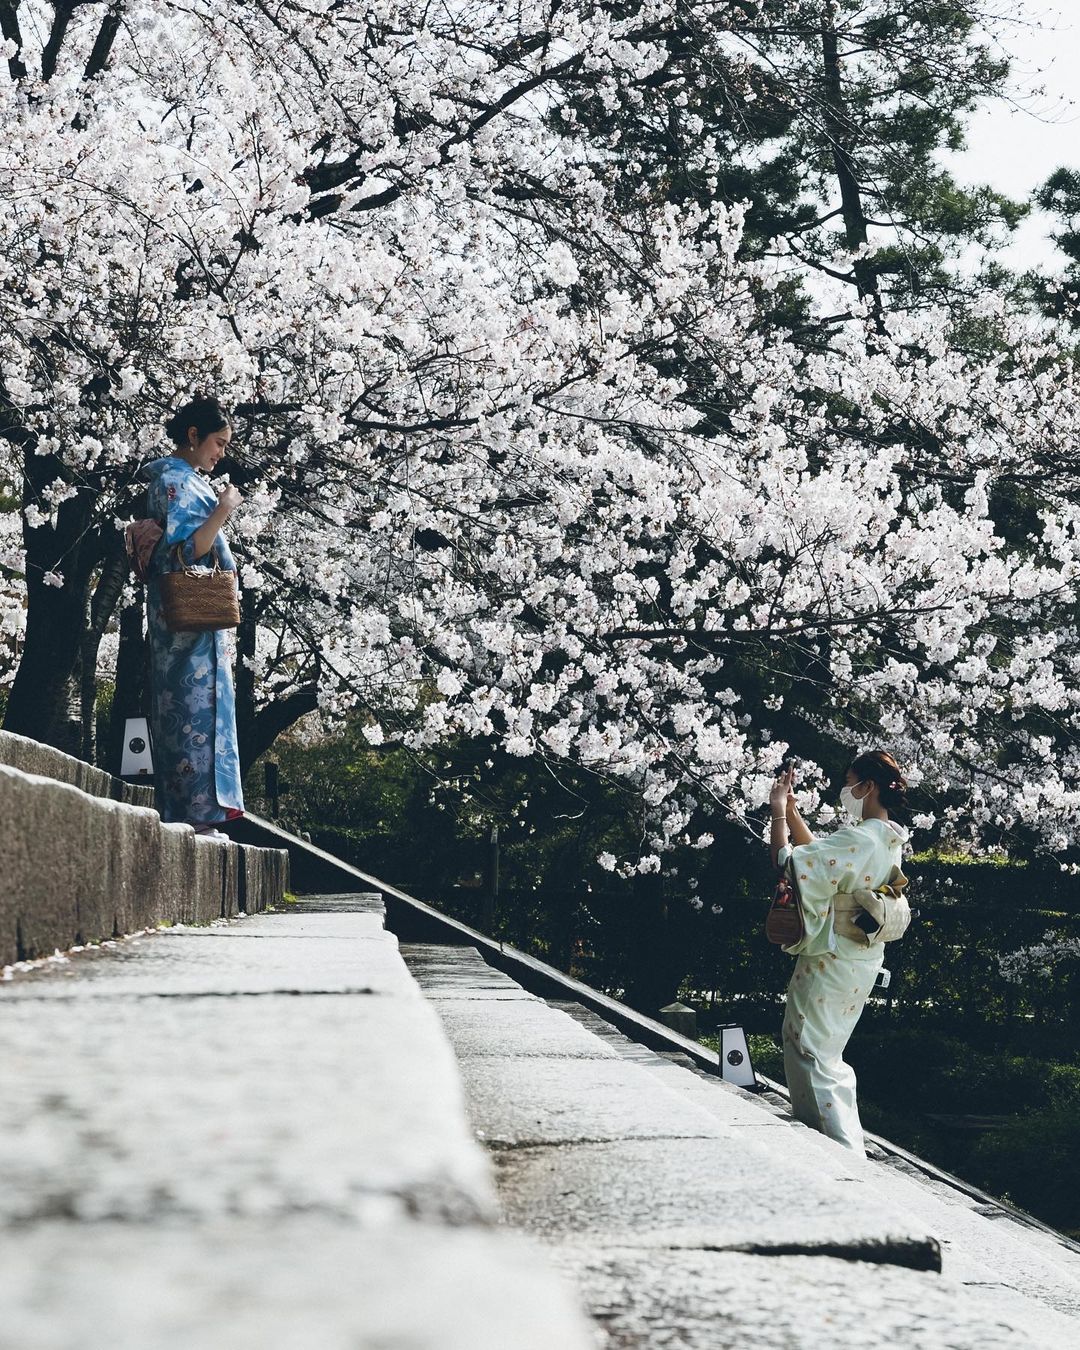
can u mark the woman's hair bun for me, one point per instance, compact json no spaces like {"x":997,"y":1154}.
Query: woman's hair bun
{"x":203,"y":412}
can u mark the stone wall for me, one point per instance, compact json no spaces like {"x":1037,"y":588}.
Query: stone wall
{"x":78,"y":866}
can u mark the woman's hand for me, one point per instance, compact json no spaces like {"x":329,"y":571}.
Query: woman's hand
{"x":203,"y":539}
{"x":782,"y":793}
{"x":229,"y":499}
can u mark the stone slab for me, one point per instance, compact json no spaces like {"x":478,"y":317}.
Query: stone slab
{"x":496,"y":995}
{"x":1006,"y":1264}
{"x":346,"y":902}
{"x":731,"y":1105}
{"x":288,"y":922}
{"x":299,"y":1283}
{"x":20,"y":752}
{"x":211,"y":1138}
{"x":625,"y":1162}
{"x":440,"y":970}
{"x":162,"y":1108}
{"x":732,"y":1193}
{"x":229,"y":960}
{"x":525,"y":1100}
{"x":81,"y":869}
{"x":509,"y":1027}
{"x":568,"y":1128}
{"x":727,"y":1103}
{"x":264,"y":878}
{"x":702,"y":1300}
{"x":978,"y":1242}
{"x":976,"y":1246}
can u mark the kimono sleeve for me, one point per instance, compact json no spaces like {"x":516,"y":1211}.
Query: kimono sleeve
{"x":181,"y":509}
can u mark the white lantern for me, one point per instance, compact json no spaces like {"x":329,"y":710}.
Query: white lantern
{"x":137,"y":760}
{"x":736,"y":1066}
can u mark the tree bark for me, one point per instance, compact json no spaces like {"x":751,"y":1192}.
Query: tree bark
{"x":244,"y":680}
{"x":55,"y":615}
{"x":258,"y":728}
{"x":106,"y":596}
{"x":273,"y":719}
{"x":99,"y":55}
{"x":9,"y":29}
{"x":62,"y":13}
{"x":840,"y":130}
{"x":37,"y":704}
{"x":652,"y":981}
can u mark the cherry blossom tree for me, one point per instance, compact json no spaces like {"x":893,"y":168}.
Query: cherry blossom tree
{"x":524,"y":458}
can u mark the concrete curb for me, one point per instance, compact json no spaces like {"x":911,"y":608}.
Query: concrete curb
{"x":79,"y":867}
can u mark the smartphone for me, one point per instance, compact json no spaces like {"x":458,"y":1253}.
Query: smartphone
{"x":866,"y":921}
{"x":884,"y":979}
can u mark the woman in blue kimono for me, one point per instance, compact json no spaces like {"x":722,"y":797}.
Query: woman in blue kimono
{"x":193,"y":706}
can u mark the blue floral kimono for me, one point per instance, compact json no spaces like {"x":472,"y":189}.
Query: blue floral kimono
{"x":193,"y":705}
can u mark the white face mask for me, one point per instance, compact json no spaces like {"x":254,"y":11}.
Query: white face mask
{"x":851,"y":804}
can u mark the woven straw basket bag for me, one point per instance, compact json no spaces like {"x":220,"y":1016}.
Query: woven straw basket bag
{"x":198,"y":601}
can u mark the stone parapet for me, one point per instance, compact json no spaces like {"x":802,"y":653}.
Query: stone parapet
{"x":252,"y":1137}
{"x":79,"y":867}
{"x":19,"y":752}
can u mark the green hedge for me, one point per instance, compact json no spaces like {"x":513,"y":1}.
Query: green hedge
{"x":908,"y":1080}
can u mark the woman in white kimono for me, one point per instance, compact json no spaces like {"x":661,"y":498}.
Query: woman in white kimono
{"x":833,"y":975}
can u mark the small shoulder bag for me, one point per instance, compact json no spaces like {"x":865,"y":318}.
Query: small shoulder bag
{"x":784,"y":922}
{"x":195,"y":600}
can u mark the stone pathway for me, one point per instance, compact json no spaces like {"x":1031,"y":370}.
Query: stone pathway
{"x":251,"y":1136}
{"x":694,"y":1216}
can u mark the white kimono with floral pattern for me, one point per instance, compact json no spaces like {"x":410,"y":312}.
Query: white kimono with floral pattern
{"x":833,"y":976}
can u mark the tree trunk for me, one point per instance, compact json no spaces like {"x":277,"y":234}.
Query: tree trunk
{"x":274,"y":719}
{"x":841,"y":133}
{"x":99,"y":55}
{"x":38,"y":703}
{"x":88,"y":655}
{"x":56,"y":616}
{"x":9,"y":29}
{"x":651,"y":979}
{"x":69,"y":736}
{"x":258,"y":728}
{"x":106,"y":596}
{"x":244,"y":681}
{"x":63,"y":10}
